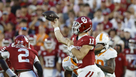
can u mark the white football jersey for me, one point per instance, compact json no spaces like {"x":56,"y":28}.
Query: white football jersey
{"x":104,"y":56}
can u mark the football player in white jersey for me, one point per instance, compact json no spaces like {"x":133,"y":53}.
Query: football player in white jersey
{"x":69,"y":64}
{"x":106,"y":58}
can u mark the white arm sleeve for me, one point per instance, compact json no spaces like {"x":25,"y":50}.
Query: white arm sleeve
{"x":10,"y":73}
{"x":59,"y":60}
{"x":5,"y":54}
{"x":36,"y":59}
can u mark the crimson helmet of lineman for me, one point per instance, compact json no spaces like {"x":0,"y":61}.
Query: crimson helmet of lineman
{"x":82,"y":24}
{"x":32,"y":39}
{"x":6,"y":41}
{"x":21,"y":41}
{"x":49,"y":43}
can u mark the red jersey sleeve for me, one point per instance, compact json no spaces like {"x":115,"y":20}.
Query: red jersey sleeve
{"x":35,"y":52}
{"x":73,"y":36}
{"x":31,"y":46}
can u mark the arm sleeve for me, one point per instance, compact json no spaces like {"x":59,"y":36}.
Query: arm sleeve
{"x":5,"y":54}
{"x":59,"y":60}
{"x":36,"y":59}
{"x":39,"y":68}
{"x":6,"y":68}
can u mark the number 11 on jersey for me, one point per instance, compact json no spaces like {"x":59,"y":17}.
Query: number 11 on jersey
{"x":91,"y":41}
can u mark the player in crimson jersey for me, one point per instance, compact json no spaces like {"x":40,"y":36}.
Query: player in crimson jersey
{"x":82,"y":46}
{"x":131,"y":59}
{"x":106,"y":58}
{"x":5,"y":42}
{"x":32,"y":40}
{"x":47,"y":55}
{"x":62,"y":53}
{"x":22,"y":57}
{"x":121,"y":62}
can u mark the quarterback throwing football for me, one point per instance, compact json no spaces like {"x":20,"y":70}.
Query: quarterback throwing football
{"x":82,"y":46}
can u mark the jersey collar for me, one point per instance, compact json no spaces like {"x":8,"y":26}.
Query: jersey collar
{"x":82,"y":36}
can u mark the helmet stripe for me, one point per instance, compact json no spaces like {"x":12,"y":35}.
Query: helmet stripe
{"x":101,"y":36}
{"x":73,"y":62}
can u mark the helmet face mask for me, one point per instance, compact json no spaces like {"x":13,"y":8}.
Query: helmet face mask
{"x":75,"y":27}
{"x":21,"y":41}
{"x":49,"y":43}
{"x":132,"y":44}
{"x":103,"y":38}
{"x":6,"y":42}
{"x":32,"y":41}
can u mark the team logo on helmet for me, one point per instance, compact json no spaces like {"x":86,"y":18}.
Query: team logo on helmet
{"x":83,"y":19}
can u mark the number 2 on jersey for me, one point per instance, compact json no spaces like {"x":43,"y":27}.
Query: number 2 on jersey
{"x":20,"y":59}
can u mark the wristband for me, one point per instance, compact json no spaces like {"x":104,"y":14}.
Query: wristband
{"x":10,"y":72}
{"x":71,"y":47}
{"x":55,"y":29}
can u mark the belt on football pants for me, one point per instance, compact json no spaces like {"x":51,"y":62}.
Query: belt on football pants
{"x":19,"y":71}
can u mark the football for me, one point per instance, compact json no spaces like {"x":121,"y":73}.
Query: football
{"x":50,"y":15}
{"x":98,"y":48}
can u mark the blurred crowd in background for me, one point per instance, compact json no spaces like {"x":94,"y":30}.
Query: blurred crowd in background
{"x":117,"y":18}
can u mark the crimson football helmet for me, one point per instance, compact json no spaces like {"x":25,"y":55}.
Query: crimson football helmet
{"x":6,"y":41}
{"x":32,"y":39}
{"x":21,"y":41}
{"x":82,"y":24}
{"x":132,"y":43}
{"x":49,"y":43}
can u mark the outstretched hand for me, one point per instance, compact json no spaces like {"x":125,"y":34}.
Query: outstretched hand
{"x":55,"y":23}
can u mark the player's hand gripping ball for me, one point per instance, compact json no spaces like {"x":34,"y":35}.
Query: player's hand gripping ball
{"x":50,"y":15}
